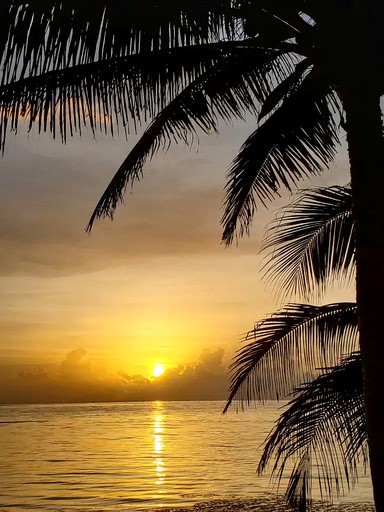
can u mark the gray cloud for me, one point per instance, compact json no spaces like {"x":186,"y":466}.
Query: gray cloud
{"x":48,"y":191}
{"x":47,"y":197}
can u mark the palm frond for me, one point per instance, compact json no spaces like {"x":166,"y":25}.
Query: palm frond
{"x":284,"y":88}
{"x":226,"y":91}
{"x":39,"y":36}
{"x":287,"y":348}
{"x":123,"y":91}
{"x":312,"y":241}
{"x":299,"y":139}
{"x":324,"y":429}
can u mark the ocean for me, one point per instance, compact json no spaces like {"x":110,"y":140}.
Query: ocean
{"x":145,"y":455}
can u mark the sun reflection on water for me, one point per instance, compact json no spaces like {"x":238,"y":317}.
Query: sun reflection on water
{"x":158,"y":447}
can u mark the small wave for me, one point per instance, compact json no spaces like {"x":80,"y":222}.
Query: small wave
{"x":20,"y":421}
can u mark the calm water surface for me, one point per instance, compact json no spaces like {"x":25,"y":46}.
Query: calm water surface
{"x":120,"y":456}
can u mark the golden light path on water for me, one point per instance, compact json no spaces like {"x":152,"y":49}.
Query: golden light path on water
{"x":158,"y":445}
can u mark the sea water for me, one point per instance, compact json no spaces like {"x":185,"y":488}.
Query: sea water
{"x":126,"y":456}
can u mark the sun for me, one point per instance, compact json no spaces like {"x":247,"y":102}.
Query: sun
{"x":158,"y":370}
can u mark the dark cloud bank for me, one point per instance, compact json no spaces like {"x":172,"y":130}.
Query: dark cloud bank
{"x":75,"y":380}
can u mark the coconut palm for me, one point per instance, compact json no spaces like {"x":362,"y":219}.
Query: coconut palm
{"x":304,"y":67}
{"x":321,"y":436}
{"x":323,"y":428}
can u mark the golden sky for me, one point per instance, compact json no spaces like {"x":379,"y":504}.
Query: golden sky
{"x":154,"y":286}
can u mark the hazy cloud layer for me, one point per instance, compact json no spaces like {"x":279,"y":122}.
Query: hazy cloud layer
{"x":48,"y":193}
{"x":75,"y":379}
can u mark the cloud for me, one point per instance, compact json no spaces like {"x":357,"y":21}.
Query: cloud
{"x":205,"y":380}
{"x":47,"y":197}
{"x":75,"y":380}
{"x":52,"y":241}
{"x":74,"y":366}
{"x":211,"y":362}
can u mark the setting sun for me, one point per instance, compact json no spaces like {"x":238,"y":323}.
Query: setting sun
{"x":158,"y":370}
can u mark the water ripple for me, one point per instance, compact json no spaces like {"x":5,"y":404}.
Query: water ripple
{"x":115,"y":457}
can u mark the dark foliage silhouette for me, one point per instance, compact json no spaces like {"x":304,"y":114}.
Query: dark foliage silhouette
{"x":321,"y":437}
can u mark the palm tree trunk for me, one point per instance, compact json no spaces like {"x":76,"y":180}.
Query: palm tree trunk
{"x":366,"y":154}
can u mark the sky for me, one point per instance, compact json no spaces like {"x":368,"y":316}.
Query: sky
{"x":87,"y":317}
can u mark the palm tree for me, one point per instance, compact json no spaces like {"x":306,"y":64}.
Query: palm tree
{"x":321,"y":436}
{"x":304,"y":67}
{"x":323,"y":428}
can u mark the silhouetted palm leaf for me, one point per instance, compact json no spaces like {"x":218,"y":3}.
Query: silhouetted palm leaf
{"x":129,"y":90}
{"x":289,"y":347}
{"x":297,"y":140}
{"x":324,"y":430}
{"x":312,"y":241}
{"x":38,"y":36}
{"x":227,"y":90}
{"x":69,"y":64}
